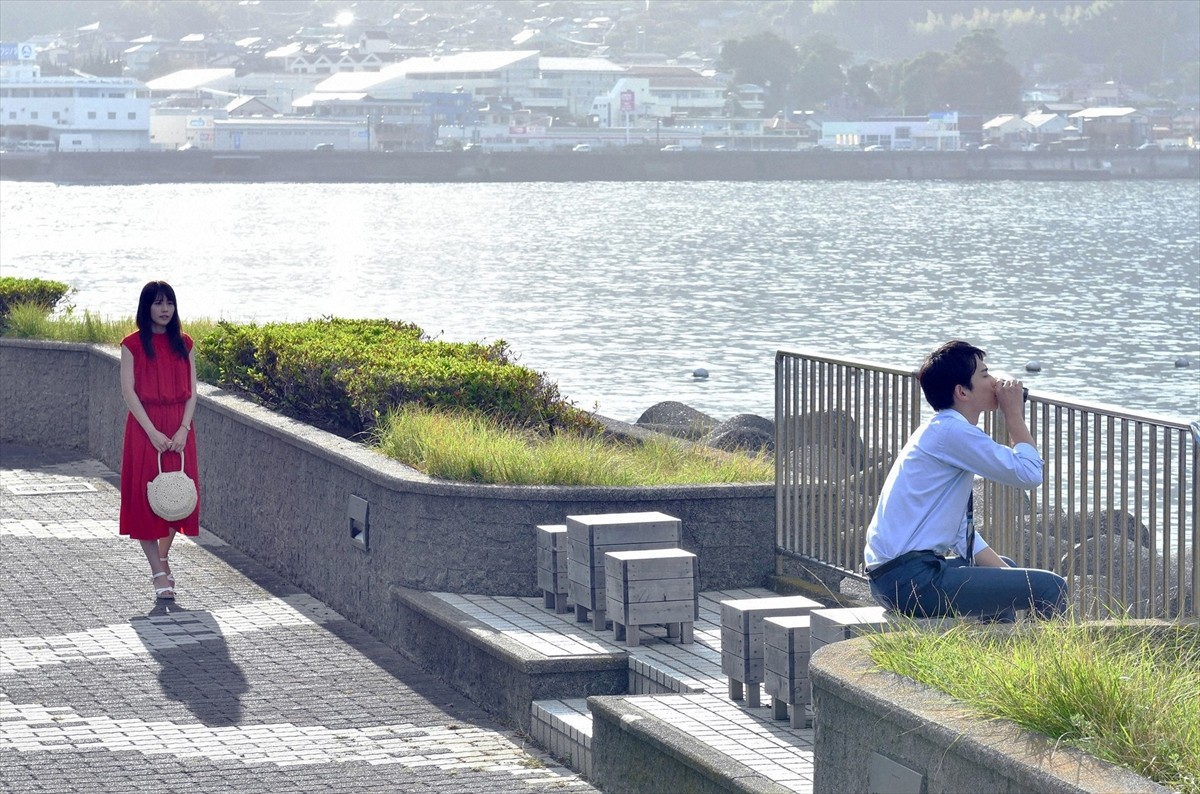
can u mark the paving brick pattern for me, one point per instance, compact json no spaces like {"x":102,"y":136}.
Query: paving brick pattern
{"x":244,"y":683}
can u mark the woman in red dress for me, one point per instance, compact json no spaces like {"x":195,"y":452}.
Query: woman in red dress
{"x":158,"y":382}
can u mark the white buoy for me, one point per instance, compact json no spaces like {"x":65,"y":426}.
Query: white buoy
{"x":1033,"y":366}
{"x":699,"y":372}
{"x":1182,"y":362}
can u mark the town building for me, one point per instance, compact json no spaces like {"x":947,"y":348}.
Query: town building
{"x":646,"y":95}
{"x":290,"y":134}
{"x":217,"y":87}
{"x":1046,"y":128}
{"x":478,"y":74}
{"x":1007,"y":130}
{"x":75,"y":113}
{"x":1105,"y":127}
{"x":939,"y":131}
{"x":568,"y":86}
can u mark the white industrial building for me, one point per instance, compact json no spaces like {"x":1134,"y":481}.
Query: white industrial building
{"x":71,"y":113}
{"x":649,"y":94}
{"x":569,"y":85}
{"x":280,"y":134}
{"x":478,"y":74}
{"x":217,"y":87}
{"x":936,"y":132}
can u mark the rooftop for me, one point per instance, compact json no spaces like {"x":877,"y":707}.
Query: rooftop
{"x":189,"y":79}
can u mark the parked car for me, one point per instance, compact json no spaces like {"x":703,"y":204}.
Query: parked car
{"x":1148,"y":145}
{"x":875,"y":148}
{"x":323,"y":147}
{"x":672,"y":147}
{"x":582,"y":147}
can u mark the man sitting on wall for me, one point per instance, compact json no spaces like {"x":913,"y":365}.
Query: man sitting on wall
{"x":924,"y":510}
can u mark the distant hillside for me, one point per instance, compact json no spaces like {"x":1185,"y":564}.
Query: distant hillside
{"x":1138,"y":42}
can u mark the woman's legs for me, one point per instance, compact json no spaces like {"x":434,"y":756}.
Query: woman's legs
{"x":164,"y":548}
{"x":158,"y":574}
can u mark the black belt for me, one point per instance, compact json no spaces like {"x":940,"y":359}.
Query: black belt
{"x":895,"y":562}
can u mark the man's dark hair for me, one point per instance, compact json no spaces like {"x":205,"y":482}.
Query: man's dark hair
{"x":952,"y":364}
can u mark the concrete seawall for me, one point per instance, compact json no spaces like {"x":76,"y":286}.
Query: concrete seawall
{"x":283,"y":492}
{"x":609,"y":165}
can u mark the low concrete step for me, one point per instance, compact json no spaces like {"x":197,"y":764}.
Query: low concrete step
{"x":696,"y":742}
{"x":762,"y":750}
{"x":564,"y":729}
{"x":670,"y":707}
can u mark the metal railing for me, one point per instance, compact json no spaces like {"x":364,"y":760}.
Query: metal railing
{"x":1117,"y":514}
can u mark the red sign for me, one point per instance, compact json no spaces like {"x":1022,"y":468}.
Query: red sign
{"x":626,"y":101}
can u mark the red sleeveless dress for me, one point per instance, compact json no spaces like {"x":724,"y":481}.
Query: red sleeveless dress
{"x":164,"y":385}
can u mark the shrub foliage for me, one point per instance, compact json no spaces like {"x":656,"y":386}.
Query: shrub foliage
{"x":33,"y":291}
{"x":344,"y":375}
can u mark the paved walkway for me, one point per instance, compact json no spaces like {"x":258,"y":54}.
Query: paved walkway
{"x":242,"y":684}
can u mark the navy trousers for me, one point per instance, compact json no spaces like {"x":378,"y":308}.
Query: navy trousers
{"x":928,"y":586}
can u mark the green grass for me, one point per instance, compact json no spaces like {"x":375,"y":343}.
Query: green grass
{"x":28,"y":321}
{"x":1124,"y":692}
{"x":471,"y":448}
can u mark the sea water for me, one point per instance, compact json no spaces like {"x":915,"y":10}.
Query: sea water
{"x":619,"y":292}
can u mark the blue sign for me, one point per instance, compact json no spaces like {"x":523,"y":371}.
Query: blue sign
{"x":17,"y":52}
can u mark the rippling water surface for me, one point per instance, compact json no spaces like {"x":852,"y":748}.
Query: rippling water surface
{"x":620,"y":290}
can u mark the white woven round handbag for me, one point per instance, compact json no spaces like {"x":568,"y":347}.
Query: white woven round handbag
{"x":172,"y":494}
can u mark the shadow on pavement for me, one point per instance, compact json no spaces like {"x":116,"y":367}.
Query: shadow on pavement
{"x":194,"y":664}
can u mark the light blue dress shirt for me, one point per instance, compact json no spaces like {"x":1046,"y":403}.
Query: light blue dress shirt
{"x":924,"y":499}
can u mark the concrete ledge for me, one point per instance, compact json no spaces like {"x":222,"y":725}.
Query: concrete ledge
{"x":500,"y":674}
{"x":874,"y":728}
{"x":633,"y":751}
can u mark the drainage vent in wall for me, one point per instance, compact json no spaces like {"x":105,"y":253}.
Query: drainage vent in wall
{"x":357,"y":511}
{"x":48,"y":489}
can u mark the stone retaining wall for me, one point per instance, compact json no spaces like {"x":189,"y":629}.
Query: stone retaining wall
{"x":281,"y":492}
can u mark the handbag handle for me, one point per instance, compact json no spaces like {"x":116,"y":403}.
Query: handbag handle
{"x":181,"y":466}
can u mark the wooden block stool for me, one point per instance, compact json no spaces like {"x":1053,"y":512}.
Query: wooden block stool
{"x":589,"y":538}
{"x":650,"y":587}
{"x":742,"y":638}
{"x":785,"y":668}
{"x":552,"y":566}
{"x":827,"y":626}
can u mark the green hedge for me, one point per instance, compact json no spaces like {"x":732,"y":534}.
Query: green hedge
{"x":36,"y":291}
{"x":344,"y":375}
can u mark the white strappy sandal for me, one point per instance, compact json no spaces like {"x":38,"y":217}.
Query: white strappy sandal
{"x":163,"y":592}
{"x":170,"y":576}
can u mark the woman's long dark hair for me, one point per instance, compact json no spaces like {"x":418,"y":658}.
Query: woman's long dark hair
{"x":145,"y":324}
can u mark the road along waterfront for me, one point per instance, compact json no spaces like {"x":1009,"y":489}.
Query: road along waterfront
{"x":620,"y":290}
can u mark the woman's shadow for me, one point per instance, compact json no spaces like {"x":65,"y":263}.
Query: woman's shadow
{"x":194,"y":664}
